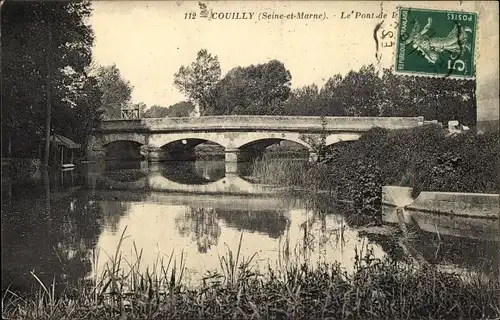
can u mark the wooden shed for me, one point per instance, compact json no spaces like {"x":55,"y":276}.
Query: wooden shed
{"x":65,"y":147}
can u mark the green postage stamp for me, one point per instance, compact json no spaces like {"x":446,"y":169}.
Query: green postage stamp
{"x":436,"y":42}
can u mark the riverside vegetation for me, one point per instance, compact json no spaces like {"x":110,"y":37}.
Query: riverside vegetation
{"x":423,"y":158}
{"x":376,"y":289}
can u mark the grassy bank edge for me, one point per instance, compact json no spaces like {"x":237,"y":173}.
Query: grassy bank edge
{"x":377,"y":289}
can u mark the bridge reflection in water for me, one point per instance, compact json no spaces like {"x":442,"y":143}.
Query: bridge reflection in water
{"x":202,"y":177}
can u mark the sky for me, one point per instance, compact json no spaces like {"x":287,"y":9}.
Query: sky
{"x":150,"y":41}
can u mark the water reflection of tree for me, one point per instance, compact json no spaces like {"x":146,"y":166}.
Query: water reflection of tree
{"x":130,"y":175}
{"x":202,"y":225}
{"x":473,"y":254}
{"x":268,"y":222}
{"x":54,"y":237}
{"x":317,"y":236}
{"x":112,"y":212}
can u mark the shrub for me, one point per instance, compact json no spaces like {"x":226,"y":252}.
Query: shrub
{"x":424,"y":158}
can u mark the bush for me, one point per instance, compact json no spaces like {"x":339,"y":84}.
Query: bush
{"x":423,"y":158}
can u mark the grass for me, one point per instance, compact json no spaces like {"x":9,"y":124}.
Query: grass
{"x":294,"y":174}
{"x":376,"y":289}
{"x":282,"y":172}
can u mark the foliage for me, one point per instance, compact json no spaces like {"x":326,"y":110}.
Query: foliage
{"x":116,"y":91}
{"x":25,"y":29}
{"x":180,"y":109}
{"x":77,"y":122}
{"x":356,"y":94}
{"x":303,"y":101}
{"x":441,"y":99}
{"x":197,"y":80}
{"x":424,"y":158}
{"x":461,"y":163}
{"x":264,"y":89}
{"x":365,"y":93}
{"x":257,"y":89}
{"x":156,"y":111}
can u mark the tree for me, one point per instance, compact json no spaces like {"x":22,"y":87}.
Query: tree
{"x":38,"y":38}
{"x":439,"y":99}
{"x":328,"y":100}
{"x":256,"y":89}
{"x":156,"y":111}
{"x":197,"y":80}
{"x":180,"y":109}
{"x":78,"y":121}
{"x":356,"y":94}
{"x":116,"y":91}
{"x":303,"y":102}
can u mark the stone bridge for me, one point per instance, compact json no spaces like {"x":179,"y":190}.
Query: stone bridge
{"x":238,"y":135}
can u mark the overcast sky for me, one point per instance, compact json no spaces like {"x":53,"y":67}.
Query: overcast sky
{"x":149,"y":41}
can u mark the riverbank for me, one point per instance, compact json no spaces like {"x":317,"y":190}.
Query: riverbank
{"x":423,"y":159}
{"x":376,"y":289}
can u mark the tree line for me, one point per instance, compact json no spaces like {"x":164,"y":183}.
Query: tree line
{"x":50,"y":84}
{"x":46,"y":53}
{"x":266,"y":89}
{"x":117,"y":94}
{"x":48,"y":74}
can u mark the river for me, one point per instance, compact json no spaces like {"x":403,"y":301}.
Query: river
{"x":70,"y":227}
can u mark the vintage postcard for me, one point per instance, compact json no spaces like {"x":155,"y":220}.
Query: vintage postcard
{"x":250,"y":159}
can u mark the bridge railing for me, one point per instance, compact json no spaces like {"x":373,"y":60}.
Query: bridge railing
{"x":261,"y":123}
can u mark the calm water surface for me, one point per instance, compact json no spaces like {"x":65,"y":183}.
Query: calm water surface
{"x":70,"y":227}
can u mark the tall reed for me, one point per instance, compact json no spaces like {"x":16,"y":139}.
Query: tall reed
{"x":281,"y":172}
{"x":376,"y":289}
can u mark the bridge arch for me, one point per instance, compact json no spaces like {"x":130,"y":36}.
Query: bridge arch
{"x":188,"y":143}
{"x":123,"y":150}
{"x":161,"y":140}
{"x":115,"y":137}
{"x":228,"y":140}
{"x":255,"y":137}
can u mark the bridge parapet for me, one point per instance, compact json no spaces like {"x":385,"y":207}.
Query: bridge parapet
{"x":242,"y":123}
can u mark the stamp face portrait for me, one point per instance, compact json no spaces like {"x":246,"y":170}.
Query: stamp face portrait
{"x":436,"y":43}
